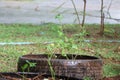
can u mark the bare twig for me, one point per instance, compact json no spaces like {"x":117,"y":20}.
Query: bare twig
{"x":84,"y":13}
{"x":76,"y":12}
{"x":91,"y":15}
{"x":108,"y":10}
{"x":102,"y":19}
{"x":59,"y":7}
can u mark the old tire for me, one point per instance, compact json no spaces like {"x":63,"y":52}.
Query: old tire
{"x":80,"y":67}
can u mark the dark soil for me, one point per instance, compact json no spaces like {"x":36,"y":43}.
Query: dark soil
{"x":39,"y":77}
{"x":17,"y":76}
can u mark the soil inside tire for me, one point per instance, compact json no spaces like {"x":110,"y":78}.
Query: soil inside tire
{"x":59,"y":56}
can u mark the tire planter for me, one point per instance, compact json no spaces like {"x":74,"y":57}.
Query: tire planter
{"x":30,"y":76}
{"x":80,"y":67}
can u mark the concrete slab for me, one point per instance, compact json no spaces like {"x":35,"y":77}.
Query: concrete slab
{"x":44,"y":11}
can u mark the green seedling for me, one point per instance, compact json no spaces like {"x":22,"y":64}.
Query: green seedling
{"x":59,"y":17}
{"x":28,"y":65}
{"x":31,"y":64}
{"x":25,"y":66}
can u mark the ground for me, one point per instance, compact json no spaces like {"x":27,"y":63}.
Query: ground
{"x":109,"y":52}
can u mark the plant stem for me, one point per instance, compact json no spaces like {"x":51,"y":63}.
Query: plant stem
{"x":51,"y":68}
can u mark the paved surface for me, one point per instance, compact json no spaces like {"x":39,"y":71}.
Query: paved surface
{"x":43,"y":11}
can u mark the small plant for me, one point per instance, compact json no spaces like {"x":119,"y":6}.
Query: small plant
{"x":51,"y":69}
{"x":63,"y":44}
{"x":59,"y":17}
{"x":28,"y":65}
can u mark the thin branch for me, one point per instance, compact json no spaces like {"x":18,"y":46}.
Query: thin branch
{"x":76,"y":12}
{"x":102,"y":19}
{"x":84,"y":13}
{"x":108,"y":10}
{"x":59,"y":7}
{"x":91,"y":15}
{"x":109,"y":6}
{"x":118,"y":20}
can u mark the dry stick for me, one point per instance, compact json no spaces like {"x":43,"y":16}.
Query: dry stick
{"x":102,"y":19}
{"x":76,"y":12}
{"x":39,"y":77}
{"x":84,"y":13}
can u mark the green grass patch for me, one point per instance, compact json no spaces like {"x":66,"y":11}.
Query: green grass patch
{"x":48,"y":32}
{"x":9,"y":54}
{"x":111,"y":69}
{"x":27,"y":33}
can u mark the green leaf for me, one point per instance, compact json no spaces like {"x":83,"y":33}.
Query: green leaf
{"x":25,"y":66}
{"x":74,"y":46}
{"x":31,"y":64}
{"x":59,"y":16}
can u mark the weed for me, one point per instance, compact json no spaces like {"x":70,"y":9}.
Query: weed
{"x":28,"y":65}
